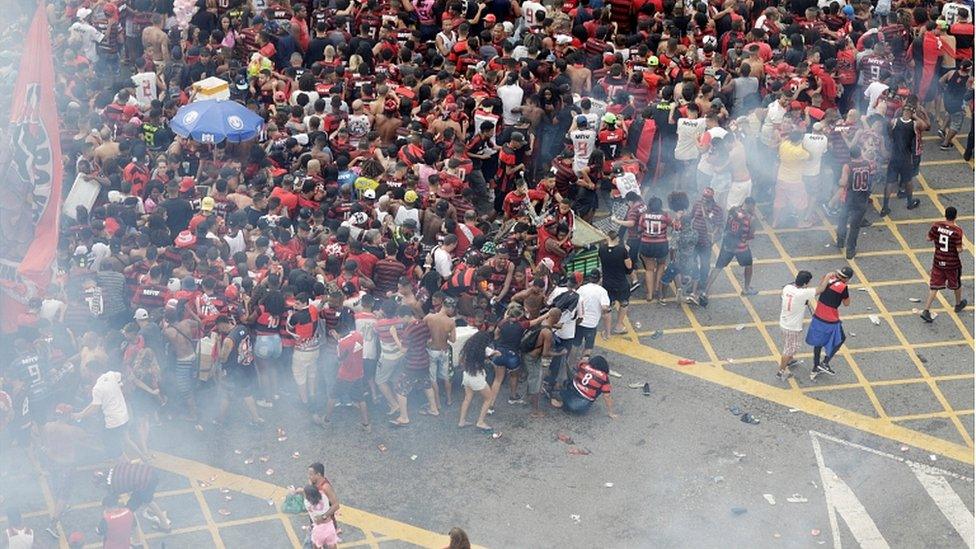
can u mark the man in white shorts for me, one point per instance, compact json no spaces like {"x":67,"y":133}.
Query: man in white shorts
{"x":794,"y":303}
{"x":741,"y":186}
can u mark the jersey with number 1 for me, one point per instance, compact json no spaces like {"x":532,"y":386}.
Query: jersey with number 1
{"x":583,"y":143}
{"x":948,"y":239}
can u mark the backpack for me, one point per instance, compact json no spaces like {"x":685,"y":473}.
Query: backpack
{"x":566,"y":301}
{"x":530,"y":339}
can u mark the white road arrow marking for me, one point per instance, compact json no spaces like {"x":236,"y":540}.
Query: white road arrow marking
{"x":949,"y":503}
{"x":841,"y":499}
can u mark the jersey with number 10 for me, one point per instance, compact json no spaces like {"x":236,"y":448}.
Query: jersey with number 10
{"x":947,"y":239}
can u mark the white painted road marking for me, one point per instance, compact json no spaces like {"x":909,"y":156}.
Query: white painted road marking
{"x":949,"y":503}
{"x":841,"y":499}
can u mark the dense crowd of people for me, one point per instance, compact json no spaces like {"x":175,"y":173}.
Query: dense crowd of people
{"x":410,"y":213}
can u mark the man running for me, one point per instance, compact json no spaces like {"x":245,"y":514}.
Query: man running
{"x":735,"y":244}
{"x":946,"y":265}
{"x":826,"y":330}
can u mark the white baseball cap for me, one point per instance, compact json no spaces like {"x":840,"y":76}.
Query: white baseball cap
{"x":141,"y":314}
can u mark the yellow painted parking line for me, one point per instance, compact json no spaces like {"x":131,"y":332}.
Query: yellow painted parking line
{"x":793,"y":399}
{"x":367,"y":522}
{"x":885,"y":314}
{"x":932,"y":415}
{"x":943,"y":162}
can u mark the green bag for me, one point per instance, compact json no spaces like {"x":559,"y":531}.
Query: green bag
{"x":294,"y":503}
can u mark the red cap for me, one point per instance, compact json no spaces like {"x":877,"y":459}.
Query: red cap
{"x":796,"y":105}
{"x":186,"y":184}
{"x":185,"y":239}
{"x":129,"y":111}
{"x":609,"y":58}
{"x":231,"y":292}
{"x":111,"y":10}
{"x":490,"y":19}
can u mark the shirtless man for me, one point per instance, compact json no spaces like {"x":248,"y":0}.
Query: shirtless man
{"x":580,"y":77}
{"x":756,"y":66}
{"x":60,"y":442}
{"x":387,"y":124}
{"x":407,"y":296}
{"x":156,"y":42}
{"x":741,"y":186}
{"x":180,"y":334}
{"x":443,"y":121}
{"x":537,"y":360}
{"x":442,"y":333}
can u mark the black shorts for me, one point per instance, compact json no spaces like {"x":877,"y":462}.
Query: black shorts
{"x":725,"y":257}
{"x":633,"y":250}
{"x":619,"y":293}
{"x":654,"y":250}
{"x":349,"y":391}
{"x":145,"y":495}
{"x":585,"y":337}
{"x":901,"y":172}
{"x":240,"y":380}
{"x":113,"y":440}
{"x":369,"y":367}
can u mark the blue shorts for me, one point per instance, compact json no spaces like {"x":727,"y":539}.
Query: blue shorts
{"x":267,"y":346}
{"x":508,"y":358}
{"x":573,"y":402}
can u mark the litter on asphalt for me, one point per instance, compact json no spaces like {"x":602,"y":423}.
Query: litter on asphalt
{"x":875,"y":320}
{"x":769,"y":499}
{"x":574,"y":451}
{"x":656,"y":334}
{"x":614,"y":373}
{"x":685,"y":362}
{"x":749,"y":418}
{"x":736,"y":411}
{"x":564,"y":438}
{"x":739,"y":511}
{"x":797,"y":498}
{"x":915,"y":299}
{"x":635,"y":385}
{"x":608,"y":485}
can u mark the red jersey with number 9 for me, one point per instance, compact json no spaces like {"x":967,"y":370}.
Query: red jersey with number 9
{"x":948,"y":240}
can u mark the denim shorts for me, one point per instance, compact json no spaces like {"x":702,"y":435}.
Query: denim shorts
{"x":267,"y":346}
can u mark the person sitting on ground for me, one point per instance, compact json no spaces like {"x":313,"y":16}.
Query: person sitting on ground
{"x":592,"y":378}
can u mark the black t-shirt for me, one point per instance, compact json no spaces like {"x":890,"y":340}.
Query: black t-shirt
{"x":253,"y":215}
{"x":510,"y":334}
{"x":179,"y":212}
{"x":241,"y":356}
{"x":612,"y":260}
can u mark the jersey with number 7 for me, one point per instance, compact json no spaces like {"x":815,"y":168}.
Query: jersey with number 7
{"x":948,"y":241}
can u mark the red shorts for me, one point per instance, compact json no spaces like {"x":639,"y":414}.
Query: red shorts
{"x":945,"y":278}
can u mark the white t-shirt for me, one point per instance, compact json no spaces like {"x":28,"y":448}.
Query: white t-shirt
{"x":793,"y":306}
{"x":107,"y":393}
{"x":511,"y":97}
{"x":816,"y":145}
{"x":568,"y":318}
{"x":442,"y":262}
{"x":528,"y":13}
{"x":689,"y":131}
{"x":583,"y":143}
{"x":872,"y":93}
{"x":593,"y":298}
